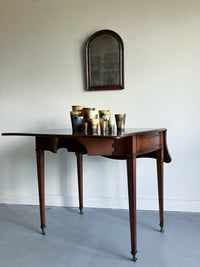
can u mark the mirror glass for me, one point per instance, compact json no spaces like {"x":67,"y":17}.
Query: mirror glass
{"x":104,"y":59}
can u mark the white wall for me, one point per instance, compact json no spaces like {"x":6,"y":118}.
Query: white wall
{"x":41,"y":76}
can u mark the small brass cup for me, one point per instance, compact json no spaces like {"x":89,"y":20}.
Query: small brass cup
{"x":85,"y":112}
{"x":103,"y":125}
{"x":120,"y":122}
{"x":111,"y":126}
{"x":92,"y":114}
{"x":75,"y":108}
{"x":94,"y":125}
{"x":104,"y":114}
{"x":77,"y":121}
{"x":78,"y":108}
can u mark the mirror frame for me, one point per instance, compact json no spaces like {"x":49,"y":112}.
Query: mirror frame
{"x":118,"y":86}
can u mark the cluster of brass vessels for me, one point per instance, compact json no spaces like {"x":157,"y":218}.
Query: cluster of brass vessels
{"x":89,"y":119}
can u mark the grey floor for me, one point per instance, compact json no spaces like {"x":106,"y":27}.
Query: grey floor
{"x":99,"y":238}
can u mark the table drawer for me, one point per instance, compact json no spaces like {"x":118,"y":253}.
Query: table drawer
{"x":98,"y":147}
{"x":148,"y":143}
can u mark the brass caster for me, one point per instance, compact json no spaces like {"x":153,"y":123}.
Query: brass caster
{"x":81,"y":211}
{"x":161,"y":229}
{"x":134,"y":256}
{"x":43,"y":231}
{"x":135,"y":259}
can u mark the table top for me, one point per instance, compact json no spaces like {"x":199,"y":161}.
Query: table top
{"x":69,"y":133}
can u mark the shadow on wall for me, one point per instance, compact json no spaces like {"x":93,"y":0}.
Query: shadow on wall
{"x":16,"y":168}
{"x":18,"y":176}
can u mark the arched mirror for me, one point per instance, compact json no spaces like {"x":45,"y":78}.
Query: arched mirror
{"x":105,"y":61}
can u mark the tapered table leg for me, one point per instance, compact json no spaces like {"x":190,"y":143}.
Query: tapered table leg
{"x":131,"y":171}
{"x":41,"y":187}
{"x":159,"y":159}
{"x":79,"y":157}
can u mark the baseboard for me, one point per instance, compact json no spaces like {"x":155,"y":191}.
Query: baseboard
{"x":104,"y":202}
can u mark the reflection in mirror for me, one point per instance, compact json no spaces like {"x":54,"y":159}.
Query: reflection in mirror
{"x":104,"y":64}
{"x":104,"y":59}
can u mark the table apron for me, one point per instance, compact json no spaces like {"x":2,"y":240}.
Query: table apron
{"x":127,"y":146}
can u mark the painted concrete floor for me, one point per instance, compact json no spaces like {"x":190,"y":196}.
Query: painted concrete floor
{"x":99,"y":238}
